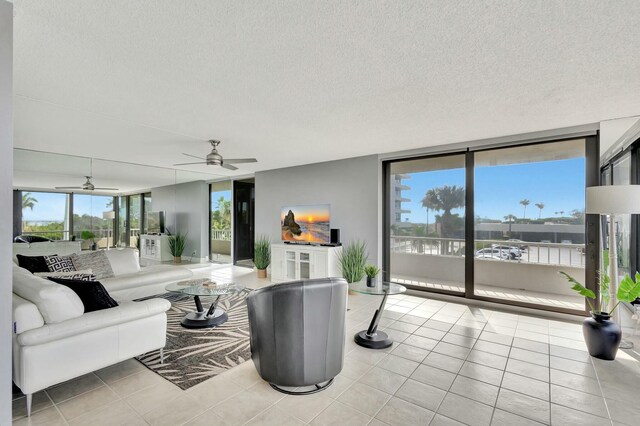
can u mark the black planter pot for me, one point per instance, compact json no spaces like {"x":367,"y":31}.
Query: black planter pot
{"x":602,"y":336}
{"x":371,"y":281}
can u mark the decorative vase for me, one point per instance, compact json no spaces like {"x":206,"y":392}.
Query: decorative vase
{"x":262,"y":273}
{"x":177,"y":259}
{"x":601,"y":335}
{"x":371,"y":281}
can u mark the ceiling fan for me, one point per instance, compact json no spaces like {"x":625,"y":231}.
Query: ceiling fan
{"x":87,"y":186}
{"x":215,"y":159}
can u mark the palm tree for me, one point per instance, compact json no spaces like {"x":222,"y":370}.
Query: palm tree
{"x":28,"y":201}
{"x":445,"y":199}
{"x":510,"y":218}
{"x":525,"y":203}
{"x":540,"y":206}
{"x":430,"y":201}
{"x":221,"y":216}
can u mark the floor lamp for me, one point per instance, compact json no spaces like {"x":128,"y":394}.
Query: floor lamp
{"x":611,"y":200}
{"x":111,"y":215}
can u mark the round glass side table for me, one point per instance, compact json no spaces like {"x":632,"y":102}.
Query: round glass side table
{"x":372,"y":338}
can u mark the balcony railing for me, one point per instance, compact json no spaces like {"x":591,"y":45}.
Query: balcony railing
{"x":536,"y":253}
{"x":221,"y":234}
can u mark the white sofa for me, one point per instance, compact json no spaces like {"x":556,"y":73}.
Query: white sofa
{"x":133,"y":282}
{"x":54,"y":340}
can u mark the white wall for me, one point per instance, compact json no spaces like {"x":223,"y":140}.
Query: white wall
{"x":351,"y":187}
{"x":187,"y":211}
{"x":6,"y":200}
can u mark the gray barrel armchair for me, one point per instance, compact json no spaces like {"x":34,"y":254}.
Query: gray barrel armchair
{"x":298,"y":333}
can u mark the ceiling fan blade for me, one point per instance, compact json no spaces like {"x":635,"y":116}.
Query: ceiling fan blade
{"x":228,"y":167}
{"x":68,"y":187}
{"x":189,"y":164}
{"x":240,"y":160}
{"x":194,"y":156}
{"x":106,"y":189}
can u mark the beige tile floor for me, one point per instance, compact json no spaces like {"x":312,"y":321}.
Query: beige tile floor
{"x":450,"y":364}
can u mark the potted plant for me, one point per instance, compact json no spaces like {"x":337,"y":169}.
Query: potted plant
{"x":177,"y":243}
{"x":352,"y":260}
{"x":89,"y":236}
{"x":262,"y":255}
{"x":601,"y":334}
{"x":372,"y":272}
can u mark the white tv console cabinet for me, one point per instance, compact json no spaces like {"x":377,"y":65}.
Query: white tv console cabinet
{"x":291,"y":262}
{"x":155,"y":247}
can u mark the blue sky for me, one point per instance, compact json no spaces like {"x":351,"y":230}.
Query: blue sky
{"x":215,"y":196}
{"x":560,"y":185}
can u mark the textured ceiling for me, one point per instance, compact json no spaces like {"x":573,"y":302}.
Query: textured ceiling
{"x":299,"y":82}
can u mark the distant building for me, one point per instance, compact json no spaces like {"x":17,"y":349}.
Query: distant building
{"x":549,"y":232}
{"x":397,"y":186}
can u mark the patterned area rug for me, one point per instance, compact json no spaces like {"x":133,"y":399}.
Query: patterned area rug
{"x":192,"y":356}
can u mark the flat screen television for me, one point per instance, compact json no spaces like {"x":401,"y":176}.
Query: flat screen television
{"x":306,"y":224}
{"x":155,"y":222}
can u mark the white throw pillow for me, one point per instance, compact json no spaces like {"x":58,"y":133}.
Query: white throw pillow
{"x":55,"y":302}
{"x":123,"y":261}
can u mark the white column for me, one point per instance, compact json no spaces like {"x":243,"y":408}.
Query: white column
{"x":6,"y":199}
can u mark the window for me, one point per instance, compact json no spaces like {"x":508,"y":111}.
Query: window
{"x":621,"y":175}
{"x":221,"y":222}
{"x":123,"y":235}
{"x":146,"y":208}
{"x":427,"y":247}
{"x":91,"y":222}
{"x":529,"y":206}
{"x":45,"y":214}
{"x":134,"y":219}
{"x":495,"y":224}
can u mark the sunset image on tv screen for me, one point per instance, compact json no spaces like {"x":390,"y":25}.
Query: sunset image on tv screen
{"x":309,"y":224}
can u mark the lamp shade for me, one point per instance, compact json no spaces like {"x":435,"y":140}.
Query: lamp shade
{"x":109,"y":214}
{"x":613,"y":199}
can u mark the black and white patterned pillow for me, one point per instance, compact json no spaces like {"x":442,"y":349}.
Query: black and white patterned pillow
{"x":59,"y":263}
{"x":84,"y":275}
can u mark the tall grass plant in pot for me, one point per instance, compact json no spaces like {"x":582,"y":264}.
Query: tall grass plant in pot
{"x":177,"y":244}
{"x":262,"y":255}
{"x":352,"y":260}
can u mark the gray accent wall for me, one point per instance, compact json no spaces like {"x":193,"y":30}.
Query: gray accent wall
{"x":187,"y":211}
{"x":350,"y":186}
{"x":6,"y":199}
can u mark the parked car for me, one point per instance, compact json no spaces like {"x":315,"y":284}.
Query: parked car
{"x":491,"y":253}
{"x":514,"y":252}
{"x":518,"y":243}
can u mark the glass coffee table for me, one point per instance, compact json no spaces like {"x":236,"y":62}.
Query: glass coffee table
{"x":372,"y":338}
{"x":213,"y":316}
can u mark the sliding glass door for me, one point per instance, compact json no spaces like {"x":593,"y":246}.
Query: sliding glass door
{"x":221,"y":222}
{"x":496,"y":224}
{"x":530,"y":223}
{"x":427,"y":229}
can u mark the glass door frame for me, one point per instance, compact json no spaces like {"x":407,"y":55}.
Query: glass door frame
{"x":386,"y":219}
{"x":592,"y":222}
{"x":634,"y":151}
